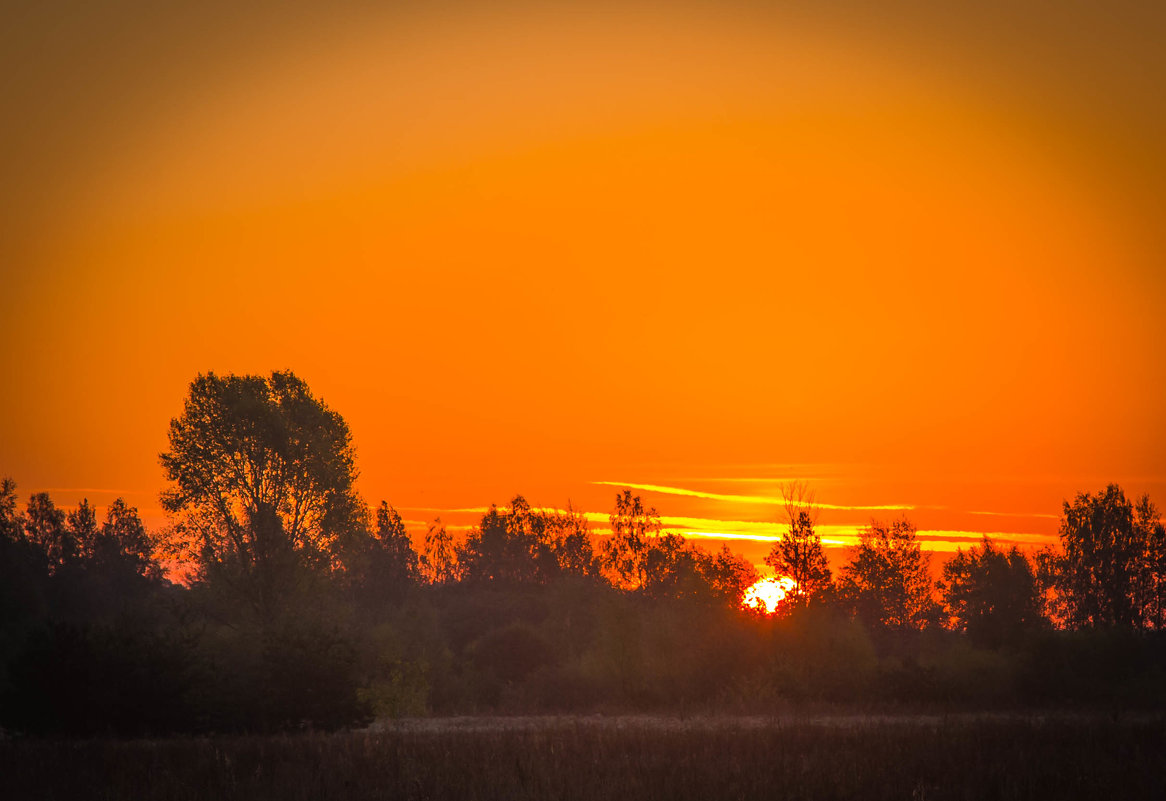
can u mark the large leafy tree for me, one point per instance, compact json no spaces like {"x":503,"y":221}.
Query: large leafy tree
{"x":1112,"y":572}
{"x":888,"y":582}
{"x":798,"y":555}
{"x":992,"y":594}
{"x":262,"y":474}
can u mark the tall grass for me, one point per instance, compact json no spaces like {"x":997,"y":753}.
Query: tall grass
{"x":619,"y":758}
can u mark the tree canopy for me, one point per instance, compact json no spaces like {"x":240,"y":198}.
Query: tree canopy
{"x":524,"y":545}
{"x":306,"y":608}
{"x":992,"y":594}
{"x":1112,"y":572}
{"x":262,"y":474}
{"x":798,"y":555}
{"x":633,"y":527}
{"x":887,"y":581}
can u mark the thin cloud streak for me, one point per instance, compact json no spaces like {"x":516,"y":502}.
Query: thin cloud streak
{"x":1017,"y":514}
{"x":833,"y":535}
{"x":807,"y":479}
{"x":754,"y":499}
{"x":95,"y":491}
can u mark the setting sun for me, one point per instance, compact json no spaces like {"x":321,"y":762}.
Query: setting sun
{"x":767,"y":593}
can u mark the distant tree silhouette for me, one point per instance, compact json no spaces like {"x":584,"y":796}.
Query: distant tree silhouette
{"x":390,"y":565}
{"x":1151,"y":588}
{"x":73,"y":540}
{"x":992,"y":594}
{"x":672,"y":568}
{"x":23,"y":570}
{"x":113,"y":572}
{"x":887,"y":581}
{"x":633,"y":528}
{"x":525,"y":545}
{"x":262,"y":476}
{"x":123,"y":541}
{"x":1112,"y":572}
{"x":45,"y":527}
{"x":439,"y":562}
{"x":508,"y":545}
{"x":799,"y":554}
{"x":728,"y":575}
{"x":570,"y":538}
{"x":677,"y":568}
{"x":11,"y":525}
{"x":81,"y":528}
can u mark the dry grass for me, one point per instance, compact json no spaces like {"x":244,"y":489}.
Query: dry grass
{"x":828,"y":757}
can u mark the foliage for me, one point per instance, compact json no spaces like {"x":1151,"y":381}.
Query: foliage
{"x":633,"y":527}
{"x":262,"y":476}
{"x":524,"y":545}
{"x":675,"y":568}
{"x":510,"y":546}
{"x":887,"y":581}
{"x":991,"y":594}
{"x":10,"y":523}
{"x":439,"y":562}
{"x":387,"y":567}
{"x":45,"y":529}
{"x":308,"y":611}
{"x":1113,"y":568}
{"x":798,"y":555}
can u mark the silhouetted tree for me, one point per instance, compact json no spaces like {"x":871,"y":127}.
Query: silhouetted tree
{"x":672,"y":569}
{"x":1152,"y":566}
{"x":1046,"y":563}
{"x":727,"y":576}
{"x":887,"y":581}
{"x":123,"y":540}
{"x":439,"y":562}
{"x":81,"y":528}
{"x":22,"y":574}
{"x":569,"y":536}
{"x":44,"y":526}
{"x":633,"y":527}
{"x":799,"y":554}
{"x":678,"y":569}
{"x":527,"y":545}
{"x":1113,"y":563}
{"x":992,"y":594}
{"x":389,"y":566}
{"x":11,"y":526}
{"x":512,"y":545}
{"x":263,"y":478}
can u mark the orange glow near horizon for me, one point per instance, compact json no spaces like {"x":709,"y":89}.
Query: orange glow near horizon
{"x":705,"y":248}
{"x":765,"y":594}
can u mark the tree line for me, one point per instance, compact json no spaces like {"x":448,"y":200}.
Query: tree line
{"x":301,"y":606}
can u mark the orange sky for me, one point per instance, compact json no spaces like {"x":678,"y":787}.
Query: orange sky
{"x":913,"y":257}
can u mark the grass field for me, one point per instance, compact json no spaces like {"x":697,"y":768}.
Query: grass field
{"x":830,"y":757}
